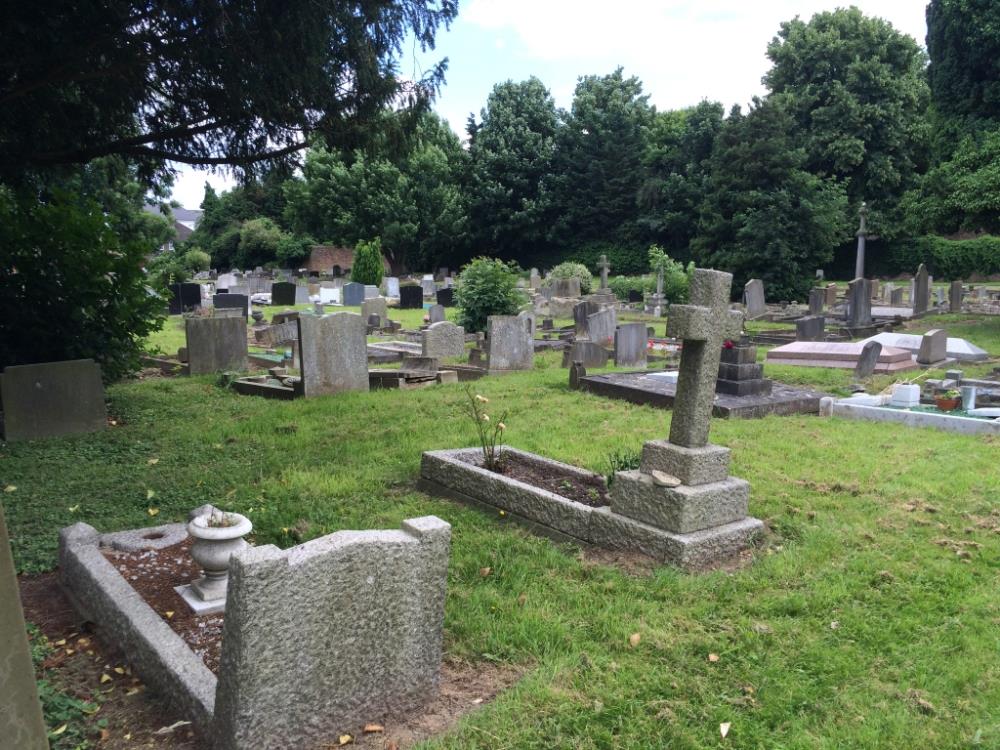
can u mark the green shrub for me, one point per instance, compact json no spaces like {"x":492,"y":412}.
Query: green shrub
{"x":293,"y":249}
{"x":196,"y":259}
{"x":568,"y":269}
{"x":71,"y":286}
{"x":676,"y":277}
{"x":945,"y":259}
{"x":367,"y":267}
{"x":622,"y":285}
{"x":487,"y":286}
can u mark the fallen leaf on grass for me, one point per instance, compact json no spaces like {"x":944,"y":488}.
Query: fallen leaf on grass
{"x":153,"y":461}
{"x":10,"y":488}
{"x":633,"y":640}
{"x":153,"y":511}
{"x":150,"y":494}
{"x":724,"y":729}
{"x":483,"y":572}
{"x":60,"y":730}
{"x":344,"y":739}
{"x":371,"y":728}
{"x":522,"y":599}
{"x":713,"y":658}
{"x":105,"y":678}
{"x":74,"y":508}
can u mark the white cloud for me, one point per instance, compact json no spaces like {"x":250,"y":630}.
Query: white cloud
{"x":189,"y":185}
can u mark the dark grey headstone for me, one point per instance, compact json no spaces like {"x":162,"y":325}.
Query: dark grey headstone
{"x":859,"y":303}
{"x":52,"y":399}
{"x":589,"y":353}
{"x":896,"y":297}
{"x":411,"y":297}
{"x":580,"y":314}
{"x":955,"y":297}
{"x":817,"y":298}
{"x":353,"y":294}
{"x":921,"y":290}
{"x":630,"y":345}
{"x":810,"y":328}
{"x":576,"y":371}
{"x":566,"y":287}
{"x":436,"y":314}
{"x":867,"y":360}
{"x":184,"y":297}
{"x":282,"y":293}
{"x":216,"y":344}
{"x":232,"y":301}
{"x":446,"y":297}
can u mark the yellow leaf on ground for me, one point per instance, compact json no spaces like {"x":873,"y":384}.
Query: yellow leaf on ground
{"x":344,"y":739}
{"x":120,"y":670}
{"x":10,"y":488}
{"x":60,"y":642}
{"x":483,"y":572}
{"x":371,"y":728}
{"x":724,"y":729}
{"x":74,"y":508}
{"x":105,"y":678}
{"x":153,"y":461}
{"x":152,"y":511}
{"x":169,"y":613}
{"x":633,"y":640}
{"x":150,"y":494}
{"x":713,"y":658}
{"x":60,"y":730}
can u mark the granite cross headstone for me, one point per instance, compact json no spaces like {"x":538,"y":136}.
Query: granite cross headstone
{"x":604,"y":267}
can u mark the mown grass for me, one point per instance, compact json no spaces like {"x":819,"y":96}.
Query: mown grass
{"x":868,"y":619}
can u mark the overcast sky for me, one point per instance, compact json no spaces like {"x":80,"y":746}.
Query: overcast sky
{"x":683,"y":51}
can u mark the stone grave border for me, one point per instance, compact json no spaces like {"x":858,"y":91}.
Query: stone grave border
{"x":445,"y":473}
{"x":946,"y":422}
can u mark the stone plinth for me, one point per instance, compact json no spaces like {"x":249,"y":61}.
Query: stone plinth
{"x":739,"y":373}
{"x":51,"y":399}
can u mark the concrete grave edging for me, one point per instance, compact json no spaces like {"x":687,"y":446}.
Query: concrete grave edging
{"x":948,"y":423}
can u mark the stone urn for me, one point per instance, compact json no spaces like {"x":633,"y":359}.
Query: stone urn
{"x":217,"y":536}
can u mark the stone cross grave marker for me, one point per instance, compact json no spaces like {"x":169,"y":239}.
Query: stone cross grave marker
{"x":703,"y":325}
{"x":605,"y":267}
{"x":21,"y":721}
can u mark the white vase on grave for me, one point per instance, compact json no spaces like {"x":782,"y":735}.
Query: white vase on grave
{"x":217,"y":536}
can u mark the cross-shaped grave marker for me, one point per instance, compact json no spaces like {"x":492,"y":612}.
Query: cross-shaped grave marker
{"x":703,"y":325}
{"x":605,"y":267}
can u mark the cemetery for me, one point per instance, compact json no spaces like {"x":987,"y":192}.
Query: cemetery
{"x":601,"y":417}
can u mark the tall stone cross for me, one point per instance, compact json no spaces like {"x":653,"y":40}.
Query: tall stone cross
{"x":605,"y":267}
{"x":703,"y":325}
{"x":659,"y":281}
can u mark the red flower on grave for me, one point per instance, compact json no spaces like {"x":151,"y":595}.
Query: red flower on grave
{"x":727,"y":344}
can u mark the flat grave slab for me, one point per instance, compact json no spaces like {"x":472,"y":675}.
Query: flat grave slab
{"x":841,"y":355}
{"x":659,"y":389}
{"x":960,"y":349}
{"x":884,"y":311}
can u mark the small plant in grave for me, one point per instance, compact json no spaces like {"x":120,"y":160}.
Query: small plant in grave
{"x":221,"y":520}
{"x":621,"y":459}
{"x":490,"y":431}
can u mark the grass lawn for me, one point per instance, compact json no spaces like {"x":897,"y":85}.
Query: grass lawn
{"x":869,"y":618}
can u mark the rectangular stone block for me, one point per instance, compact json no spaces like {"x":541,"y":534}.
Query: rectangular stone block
{"x":510,"y":343}
{"x":743,"y":387}
{"x":353,"y":294}
{"x":681,"y":509}
{"x":216,"y":344}
{"x":693,"y":466}
{"x":740,"y":372}
{"x":411,"y":297}
{"x":282,"y":293}
{"x":334,"y":353}
{"x":444,"y":339}
{"x":50,"y":399}
{"x":739,"y":355}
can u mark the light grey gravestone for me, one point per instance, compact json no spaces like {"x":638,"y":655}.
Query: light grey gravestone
{"x":630,"y":345}
{"x":52,"y":399}
{"x":216,"y":344}
{"x":353,"y":294}
{"x":510,"y":344}
{"x":867,"y":360}
{"x":581,"y":311}
{"x":21,"y":723}
{"x":334,"y":353}
{"x":896,"y":296}
{"x":428,"y":285}
{"x":535,"y":281}
{"x":921,"y":290}
{"x":601,"y":326}
{"x":371,"y":291}
{"x":876,"y":288}
{"x":831,"y":295}
{"x":683,"y":484}
{"x":938,"y":296}
{"x":391,"y":286}
{"x":955,"y":297}
{"x":753,"y":298}
{"x":529,"y":317}
{"x":810,"y":328}
{"x":436,"y":313}
{"x":566,"y":287}
{"x":442,"y":340}
{"x":226,"y":281}
{"x":325,"y":637}
{"x":376,"y":306}
{"x":817,"y":298}
{"x":933,"y":347}
{"x":859,"y":303}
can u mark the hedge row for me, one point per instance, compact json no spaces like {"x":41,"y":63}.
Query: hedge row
{"x":946,"y":260}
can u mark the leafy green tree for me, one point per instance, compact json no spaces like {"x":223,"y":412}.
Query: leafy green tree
{"x":856,"y":89}
{"x":963,"y":42}
{"x":765,"y":216}
{"x":511,"y":157}
{"x":487,"y":286}
{"x":367,"y":268}
{"x":203,"y":83}
{"x":676,"y":277}
{"x":259,"y":242}
{"x":598,"y":163}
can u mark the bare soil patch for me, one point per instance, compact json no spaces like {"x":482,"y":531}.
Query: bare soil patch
{"x":590,"y":490}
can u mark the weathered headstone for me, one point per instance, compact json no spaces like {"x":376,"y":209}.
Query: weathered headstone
{"x":232,"y":301}
{"x":933,"y":347}
{"x":753,"y":298}
{"x":604,"y":267}
{"x":446,"y":297}
{"x":566,"y":287}
{"x":817,"y":298}
{"x":510,"y":344}
{"x":581,"y":311}
{"x":810,"y":328}
{"x":411,"y":297}
{"x":444,"y":339}
{"x":371,"y":291}
{"x":896,"y":296}
{"x":534,"y":281}
{"x":334,"y":353}
{"x":630,"y":345}
{"x":226,"y":280}
{"x":529,"y":317}
{"x":601,"y":326}
{"x":375,"y":306}
{"x":870,"y":353}
{"x":283,"y":293}
{"x":50,"y":399}
{"x":216,"y":344}
{"x":353,"y":294}
{"x":859,"y":303}
{"x":391,"y":286}
{"x":21,"y":723}
{"x":330,"y":634}
{"x":921,"y":290}
{"x":588,"y":353}
{"x":436,"y":313}
{"x":184,"y":297}
{"x":428,"y":285}
{"x":831,"y":295}
{"x":955,"y":297}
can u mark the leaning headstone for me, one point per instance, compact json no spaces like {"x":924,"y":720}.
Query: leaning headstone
{"x":411,"y":297}
{"x":446,"y":297}
{"x":391,"y":286}
{"x":436,"y":313}
{"x":896,"y":296}
{"x":328,"y":635}
{"x":184,"y":297}
{"x":581,"y":311}
{"x":334,"y":353}
{"x":810,"y":328}
{"x":283,"y":293}
{"x":601,"y":326}
{"x":353,"y":294}
{"x":921,"y":290}
{"x":816,"y":299}
{"x":216,"y":344}
{"x":630,"y":345}
{"x":859,"y":304}
{"x":50,"y":399}
{"x":831,"y":295}
{"x":933,"y":347}
{"x":955,"y":297}
{"x":232,"y":301}
{"x":510,"y":343}
{"x":440,"y":340}
{"x":753,"y":298}
{"x":376,"y":306}
{"x":868,"y":359}
{"x":21,"y":723}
